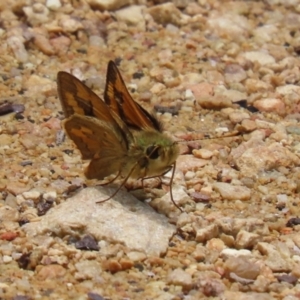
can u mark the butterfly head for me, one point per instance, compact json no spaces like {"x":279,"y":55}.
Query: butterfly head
{"x":159,"y":152}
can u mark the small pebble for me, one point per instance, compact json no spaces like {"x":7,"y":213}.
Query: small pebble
{"x":202,"y":153}
{"x":180,"y":277}
{"x":6,"y":259}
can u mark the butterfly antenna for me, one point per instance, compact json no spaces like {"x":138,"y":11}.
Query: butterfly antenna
{"x":230,"y":134}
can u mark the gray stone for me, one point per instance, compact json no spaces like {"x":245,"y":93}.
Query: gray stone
{"x":122,"y":219}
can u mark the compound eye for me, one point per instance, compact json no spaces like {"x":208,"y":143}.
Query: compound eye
{"x":153,"y":152}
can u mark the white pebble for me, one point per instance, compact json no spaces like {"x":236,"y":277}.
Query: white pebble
{"x":17,"y":46}
{"x":226,"y":253}
{"x":136,"y":256}
{"x":6,"y":259}
{"x":189,"y":95}
{"x":31,"y":195}
{"x":50,"y":195}
{"x":53,"y":4}
{"x":282,"y":198}
{"x":189,"y":175}
{"x":180,"y":277}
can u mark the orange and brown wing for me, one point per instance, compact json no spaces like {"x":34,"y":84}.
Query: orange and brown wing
{"x":89,"y":121}
{"x":98,"y":141}
{"x":76,"y":97}
{"x":119,"y":100}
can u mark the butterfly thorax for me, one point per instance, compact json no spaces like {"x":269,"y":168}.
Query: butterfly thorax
{"x":153,"y":152}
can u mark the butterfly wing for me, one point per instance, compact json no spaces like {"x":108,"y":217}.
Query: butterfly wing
{"x":76,"y":97}
{"x":99,"y":141}
{"x":117,"y":97}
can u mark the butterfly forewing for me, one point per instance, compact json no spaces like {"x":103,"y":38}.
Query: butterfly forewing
{"x":119,"y":100}
{"x":76,"y":97}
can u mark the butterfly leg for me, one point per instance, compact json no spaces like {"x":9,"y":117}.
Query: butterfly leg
{"x":171,"y":183}
{"x":110,"y":181}
{"x":122,"y":184}
{"x":145,"y":178}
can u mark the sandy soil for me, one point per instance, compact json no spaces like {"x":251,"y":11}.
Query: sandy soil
{"x":192,"y":62}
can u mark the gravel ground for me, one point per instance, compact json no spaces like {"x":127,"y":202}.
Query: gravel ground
{"x":193,"y":62}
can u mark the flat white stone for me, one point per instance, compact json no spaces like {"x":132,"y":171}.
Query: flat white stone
{"x":122,"y":219}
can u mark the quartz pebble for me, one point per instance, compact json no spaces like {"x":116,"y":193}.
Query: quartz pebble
{"x":131,"y":15}
{"x":16,"y":43}
{"x":166,"y":13}
{"x":226,"y":253}
{"x":232,"y":192}
{"x":53,"y":4}
{"x":242,"y":266}
{"x":203,"y":153}
{"x":88,"y":269}
{"x":214,"y":102}
{"x":270,"y":105}
{"x":36,"y":14}
{"x":180,"y":277}
{"x":189,"y":162}
{"x":207,"y":233}
{"x":260,"y":57}
{"x":33,"y":194}
{"x":246,"y":240}
{"x":237,"y":117}
{"x":229,"y":23}
{"x":8,"y":213}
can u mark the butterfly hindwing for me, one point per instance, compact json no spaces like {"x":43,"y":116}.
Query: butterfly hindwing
{"x":97,"y":141}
